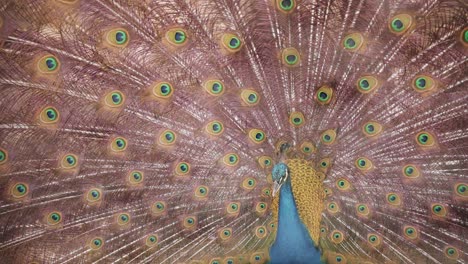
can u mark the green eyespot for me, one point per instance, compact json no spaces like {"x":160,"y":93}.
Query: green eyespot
{"x":151,"y":240}
{"x":328,"y":137}
{"x":250,"y":97}
{"x":393,"y":199}
{"x":438,"y":210}
{"x":54,"y":218}
{"x":225,"y":233}
{"x":135,"y":177}
{"x":19,"y":190}
{"x":49,"y":115}
{"x":366,"y":84}
{"x":461,"y":189}
{"x":324,"y":95}
{"x":333,"y":207}
{"x":48,"y":64}
{"x":214,"y":128}
{"x":69,"y":161}
{"x":119,"y":144}
{"x":374,"y":239}
{"x":249,"y":183}
{"x":353,"y":42}
{"x":343,"y":184}
{"x":371,"y":129}
{"x":261,"y":208}
{"x":167,"y":138}
{"x":257,"y":136}
{"x":3,"y":156}
{"x":190,"y":222}
{"x":158,"y":208}
{"x":231,"y":159}
{"x":214,"y":87}
{"x":182,"y":169}
{"x":201,"y":191}
{"x":400,"y":24}
{"x":285,"y":6}
{"x":93,"y":196}
{"x":362,"y":210}
{"x":233,"y":208}
{"x":451,"y":252}
{"x":363,"y":164}
{"x":464,"y":36}
{"x":425,"y":139}
{"x":231,"y":42}
{"x":260,"y":232}
{"x":114,"y":99}
{"x":411,"y":171}
{"x":118,"y":37}
{"x":123,"y":219}
{"x":410,"y":232}
{"x":96,"y":243}
{"x":176,"y":37}
{"x":265,"y":162}
{"x":296,"y":119}
{"x":163,"y":90}
{"x":336,"y":236}
{"x":290,"y":57}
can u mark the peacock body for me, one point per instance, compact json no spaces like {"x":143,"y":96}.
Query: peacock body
{"x":233,"y":131}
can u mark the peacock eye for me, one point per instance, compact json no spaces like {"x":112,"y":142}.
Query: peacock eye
{"x":411,"y":171}
{"x":114,"y":99}
{"x":117,"y":37}
{"x":231,"y":159}
{"x":182,"y":168}
{"x":177,"y":37}
{"x":96,"y":243}
{"x":167,"y":138}
{"x":48,"y":64}
{"x":439,"y":210}
{"x":373,"y":239}
{"x":266,"y":192}
{"x":3,"y":156}
{"x":123,"y":219}
{"x":151,"y":240}
{"x":340,"y":259}
{"x":214,"y":87}
{"x":260,"y":232}
{"x":285,"y":6}
{"x":410,"y":232}
{"x":423,"y":83}
{"x":135,"y":177}
{"x":328,"y":137}
{"x":190,"y":222}
{"x":93,"y":195}
{"x":371,"y":129}
{"x":257,"y":136}
{"x":69,"y":161}
{"x":324,"y":95}
{"x":214,"y":128}
{"x":399,"y":24}
{"x":19,"y":190}
{"x":201,"y":192}
{"x":307,"y":147}
{"x":461,"y":189}
{"x":119,"y":144}
{"x":353,"y":42}
{"x":464,"y":36}
{"x":264,"y":161}
{"x":333,"y":207}
{"x":225,"y":233}
{"x":451,"y":252}
{"x":49,"y":115}
{"x":425,"y":139}
{"x":393,"y":199}
{"x":337,"y":236}
{"x":54,"y":218}
{"x":163,"y":90}
{"x":364,"y":164}
{"x":290,"y":57}
{"x":367,"y":84}
{"x":231,"y":42}
{"x":233,"y":208}
{"x":296,"y":119}
{"x":158,"y":208}
{"x":249,"y":97}
{"x":363,"y":210}
{"x":261,"y":207}
{"x":343,"y":184}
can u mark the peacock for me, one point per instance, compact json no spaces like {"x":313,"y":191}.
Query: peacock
{"x":233,"y":131}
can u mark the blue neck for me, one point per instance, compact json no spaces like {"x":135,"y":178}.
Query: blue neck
{"x":293,"y":243}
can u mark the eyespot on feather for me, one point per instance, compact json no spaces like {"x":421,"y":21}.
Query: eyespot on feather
{"x":425,"y":139}
{"x":231,"y":43}
{"x":296,"y":119}
{"x":328,"y":137}
{"x":19,"y":190}
{"x":249,"y":183}
{"x":49,"y":115}
{"x":54,"y":218}
{"x":308,"y":148}
{"x":371,"y":129}
{"x":461,"y":190}
{"x":265,"y":162}
{"x":362,"y":210}
{"x":151,"y":240}
{"x":438,"y":210}
{"x":261,"y":207}
{"x":324,"y":164}
{"x":250,"y":97}
{"x":96,"y":243}
{"x":451,"y":252}
{"x":353,"y":42}
{"x":336,"y":236}
{"x":225,"y":233}
{"x":123,"y":219}
{"x":176,"y":37}
{"x":328,"y":191}
{"x":343,"y":184}
{"x":258,"y":258}
{"x":464,"y":37}
{"x":214,"y":128}
{"x":48,"y":64}
{"x":333,"y":208}
{"x":290,"y":57}
{"x":374,"y":239}
{"x":364,"y":164}
{"x":201,"y":192}
{"x":393,"y":199}
{"x":182,"y":169}
{"x":114,"y":99}
{"x":214,"y":87}
{"x":231,"y":159}
{"x":93,"y":196}
{"x":257,"y":136}
{"x":135,"y":177}
{"x":423,"y":83}
{"x":162,"y":90}
{"x":266,"y":192}
{"x":167,"y":138}
{"x":3,"y":156}
{"x":118,"y":144}
{"x":118,"y":37}
{"x":411,"y":171}
{"x":285,"y":6}
{"x":324,"y":95}
{"x":260,"y":232}
{"x":401,"y":24}
{"x":367,"y":84}
{"x":69,"y":161}
{"x":190,"y":222}
{"x":158,"y":208}
{"x":410,"y":232}
{"x":233,"y":208}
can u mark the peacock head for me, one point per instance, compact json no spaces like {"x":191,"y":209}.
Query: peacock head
{"x":279,"y":175}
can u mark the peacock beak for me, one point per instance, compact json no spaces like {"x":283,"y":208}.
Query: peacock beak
{"x":276,"y":187}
